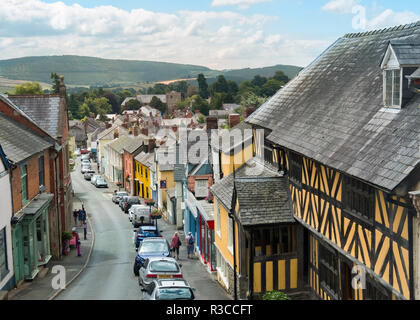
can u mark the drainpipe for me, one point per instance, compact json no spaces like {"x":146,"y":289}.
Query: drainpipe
{"x":232,"y":216}
{"x":58,"y":205}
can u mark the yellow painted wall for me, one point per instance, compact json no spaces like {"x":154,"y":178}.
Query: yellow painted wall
{"x":239,"y":159}
{"x":142,"y":174}
{"x":170,"y":183}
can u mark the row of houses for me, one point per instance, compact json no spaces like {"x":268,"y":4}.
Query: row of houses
{"x":36,"y":191}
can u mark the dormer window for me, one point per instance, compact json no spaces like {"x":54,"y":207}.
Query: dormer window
{"x":392,"y":85}
{"x":399,"y":64}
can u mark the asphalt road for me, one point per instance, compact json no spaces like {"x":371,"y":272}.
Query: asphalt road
{"x":109,"y":274}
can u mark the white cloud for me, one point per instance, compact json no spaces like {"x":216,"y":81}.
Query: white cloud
{"x":389,"y":18}
{"x":220,"y":40}
{"x":340,"y":6}
{"x":241,"y":4}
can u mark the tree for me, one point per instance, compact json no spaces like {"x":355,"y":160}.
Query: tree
{"x":96,"y":106}
{"x":200,"y":104}
{"x":202,"y":86}
{"x":113,"y":101}
{"x":251,"y":99}
{"x":158,"y":104}
{"x":55,"y":83}
{"x":280,"y":76}
{"x":132,"y":104}
{"x":33,"y":88}
{"x":73,"y":106}
{"x":192,"y":90}
{"x":271,"y":87}
{"x":258,"y":81}
{"x":220,"y":86}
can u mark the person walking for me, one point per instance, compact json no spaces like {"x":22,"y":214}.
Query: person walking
{"x":76,"y":234}
{"x":175,"y":243}
{"x":75,"y":215}
{"x":85,"y":229}
{"x":80,"y":217}
{"x":190,"y":245}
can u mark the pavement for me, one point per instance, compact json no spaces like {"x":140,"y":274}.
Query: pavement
{"x":41,"y":287}
{"x":105,"y":270}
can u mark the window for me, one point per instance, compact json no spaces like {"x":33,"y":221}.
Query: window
{"x":230,"y":234}
{"x":218,"y":218}
{"x":392,"y":85}
{"x":145,"y":172}
{"x":374,"y":291}
{"x":201,"y":188}
{"x":222,"y":268}
{"x":295,"y":165}
{"x":41,"y":170}
{"x":3,"y":254}
{"x":328,"y":270}
{"x":24,"y":183}
{"x":358,"y":197}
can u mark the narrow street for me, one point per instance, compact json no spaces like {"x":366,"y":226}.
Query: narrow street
{"x":109,"y":274}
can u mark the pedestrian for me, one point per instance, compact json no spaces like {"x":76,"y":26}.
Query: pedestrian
{"x":85,"y":229}
{"x":75,"y":215}
{"x":190,"y":245}
{"x":175,"y":243}
{"x":80,"y":217}
{"x":84,"y":214}
{"x":75,"y":234}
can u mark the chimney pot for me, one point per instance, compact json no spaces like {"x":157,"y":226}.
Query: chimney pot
{"x":234,"y":119}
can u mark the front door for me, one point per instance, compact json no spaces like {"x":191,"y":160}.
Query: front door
{"x":18,"y":260}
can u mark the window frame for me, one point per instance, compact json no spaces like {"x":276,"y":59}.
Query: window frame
{"x":328,"y":272}
{"x":24,"y":186}
{"x":394,"y":72}
{"x":358,"y":198}
{"x":295,"y":166}
{"x":41,"y":173}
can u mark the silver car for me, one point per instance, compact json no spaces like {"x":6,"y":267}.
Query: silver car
{"x":168,"y":290}
{"x":136,"y":211}
{"x":118,"y":195}
{"x":94,"y":177}
{"x":159,"y":268}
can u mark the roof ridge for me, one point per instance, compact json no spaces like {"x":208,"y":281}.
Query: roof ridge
{"x":384,"y":30}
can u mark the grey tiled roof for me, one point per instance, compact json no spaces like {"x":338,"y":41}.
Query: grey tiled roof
{"x":120,"y":143}
{"x":333,"y":112}
{"x":146,"y":159}
{"x":43,"y":109}
{"x":19,"y":143}
{"x":253,"y":168}
{"x":108,"y":134}
{"x":264,"y":201}
{"x":134,"y":145}
{"x":407,"y":50}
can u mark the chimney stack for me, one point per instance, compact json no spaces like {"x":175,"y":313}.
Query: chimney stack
{"x":212,"y":123}
{"x":116,"y":134}
{"x":174,"y":128}
{"x":248,"y":111}
{"x":135,"y":130}
{"x":234,"y":119}
{"x":107,"y":125}
{"x":151,"y":145}
{"x":144,"y":131}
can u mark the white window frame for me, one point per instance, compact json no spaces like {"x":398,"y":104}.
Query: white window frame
{"x":393,"y":86}
{"x":222,"y":268}
{"x":230,"y":235}
{"x":218,"y":219}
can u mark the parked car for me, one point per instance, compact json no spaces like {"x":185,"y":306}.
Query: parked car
{"x":84,"y":151}
{"x":76,"y":152}
{"x":150,"y":247}
{"x":118,"y":195}
{"x":159,"y":268}
{"x":147,"y":230}
{"x":94,"y":177}
{"x":127,"y":201}
{"x":88,"y":175}
{"x":168,"y":290}
{"x":101,"y":183}
{"x":85,"y":168}
{"x":136,"y":211}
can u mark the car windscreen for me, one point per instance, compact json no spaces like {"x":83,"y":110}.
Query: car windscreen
{"x":173,"y":293}
{"x":133,"y":200}
{"x":163,"y":266}
{"x":153,"y":246}
{"x":148,"y":233}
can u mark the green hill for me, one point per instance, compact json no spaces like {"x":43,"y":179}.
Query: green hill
{"x":89,"y":71}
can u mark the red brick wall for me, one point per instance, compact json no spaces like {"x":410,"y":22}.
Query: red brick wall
{"x":128,"y":164}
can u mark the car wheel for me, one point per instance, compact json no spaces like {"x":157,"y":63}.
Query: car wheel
{"x":136,"y":270}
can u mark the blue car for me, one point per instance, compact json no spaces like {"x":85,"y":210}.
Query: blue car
{"x":151,"y":247}
{"x":146,"y":231}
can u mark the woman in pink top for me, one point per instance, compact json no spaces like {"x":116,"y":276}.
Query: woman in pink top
{"x":175,"y":243}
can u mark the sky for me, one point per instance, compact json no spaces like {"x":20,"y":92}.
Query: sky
{"x":219,"y":34}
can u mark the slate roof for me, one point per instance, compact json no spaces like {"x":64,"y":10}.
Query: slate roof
{"x":264,"y":201}
{"x":108,"y":134}
{"x":179,"y":172}
{"x":253,"y":168}
{"x":134,"y":145}
{"x":43,"y":109}
{"x":407,"y":50}
{"x":333,"y":112}
{"x":119,"y":144}
{"x":146,"y":159}
{"x":18,"y":142}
